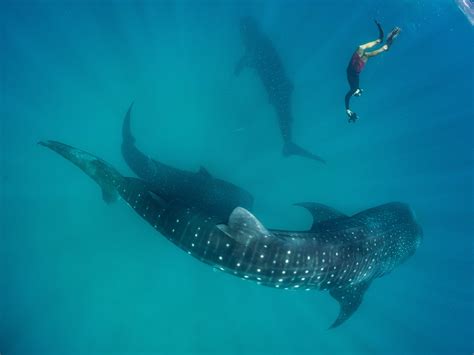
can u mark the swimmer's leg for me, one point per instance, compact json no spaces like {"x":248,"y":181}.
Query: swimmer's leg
{"x":355,"y":90}
{"x":347,"y":98}
{"x":369,"y":45}
{"x":353,"y":80}
{"x":376,"y":52}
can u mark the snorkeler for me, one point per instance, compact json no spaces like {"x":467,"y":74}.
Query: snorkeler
{"x":358,"y":61}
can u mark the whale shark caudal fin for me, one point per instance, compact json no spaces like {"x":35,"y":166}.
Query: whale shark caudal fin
{"x":127,"y":136}
{"x":244,"y":227}
{"x":349,"y":299}
{"x":291,"y":148}
{"x":320,"y":212}
{"x":100,"y":171}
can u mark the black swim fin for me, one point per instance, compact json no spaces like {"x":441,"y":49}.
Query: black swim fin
{"x":380,"y":30}
{"x":352,"y":117}
{"x":392,"y":35}
{"x":291,"y":148}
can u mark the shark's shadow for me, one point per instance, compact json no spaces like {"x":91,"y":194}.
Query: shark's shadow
{"x":200,"y":189}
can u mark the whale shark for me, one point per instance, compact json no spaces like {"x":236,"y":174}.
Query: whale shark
{"x":200,"y":189}
{"x":261,"y":55}
{"x":339,"y":253}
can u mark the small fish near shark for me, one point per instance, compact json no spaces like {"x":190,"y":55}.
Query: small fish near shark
{"x":341,"y":254}
{"x":199,"y":189}
{"x":261,"y":55}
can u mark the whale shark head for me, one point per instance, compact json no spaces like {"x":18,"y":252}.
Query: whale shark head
{"x":397,"y":221}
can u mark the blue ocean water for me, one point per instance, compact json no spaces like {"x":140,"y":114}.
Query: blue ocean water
{"x":79,"y":276}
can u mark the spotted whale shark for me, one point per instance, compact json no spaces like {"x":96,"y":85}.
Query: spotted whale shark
{"x":340,"y":254}
{"x":200,"y":189}
{"x":261,"y":55}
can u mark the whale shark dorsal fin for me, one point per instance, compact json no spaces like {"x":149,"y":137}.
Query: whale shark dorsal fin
{"x":244,"y":227}
{"x":203,"y":171}
{"x":320,"y":212}
{"x":349,"y":299}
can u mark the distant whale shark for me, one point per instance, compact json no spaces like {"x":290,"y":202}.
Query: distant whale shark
{"x":199,"y":189}
{"x":261,"y":55}
{"x":340,"y":254}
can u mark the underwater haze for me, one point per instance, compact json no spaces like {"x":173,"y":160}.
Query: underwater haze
{"x":79,"y":276}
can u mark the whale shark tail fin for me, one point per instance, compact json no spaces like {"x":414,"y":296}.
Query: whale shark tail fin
{"x":127,"y":136}
{"x":349,"y":299}
{"x":100,"y":171}
{"x":291,"y":148}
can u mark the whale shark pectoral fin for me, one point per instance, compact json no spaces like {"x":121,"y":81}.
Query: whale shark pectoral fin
{"x":203,"y":172}
{"x":243,"y":220}
{"x":244,"y":227}
{"x":349,"y":299}
{"x":320,"y":212}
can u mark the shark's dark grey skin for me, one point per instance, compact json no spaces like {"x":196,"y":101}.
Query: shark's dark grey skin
{"x":261,"y":55}
{"x":199,"y":189}
{"x":340,"y":254}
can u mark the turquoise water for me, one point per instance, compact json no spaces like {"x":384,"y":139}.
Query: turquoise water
{"x":80,"y":276}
